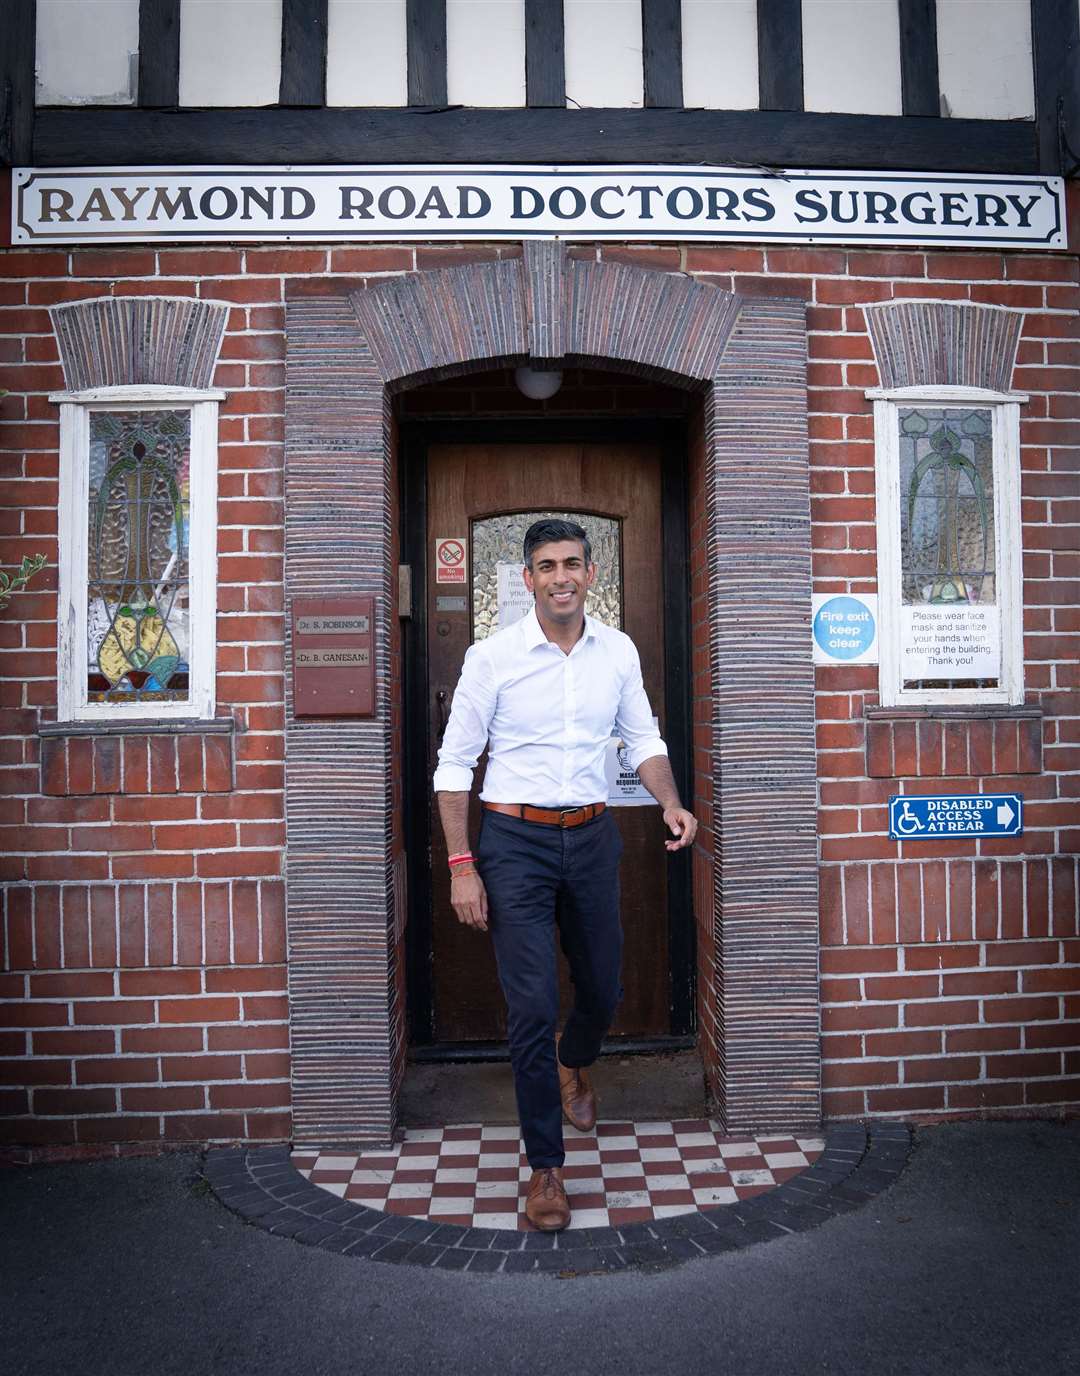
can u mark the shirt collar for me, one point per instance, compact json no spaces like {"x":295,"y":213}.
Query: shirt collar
{"x":534,"y":632}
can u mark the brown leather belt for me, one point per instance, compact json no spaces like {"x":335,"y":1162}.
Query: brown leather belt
{"x":549,"y":816}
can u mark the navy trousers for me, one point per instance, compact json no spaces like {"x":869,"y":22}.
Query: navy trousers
{"x":541,"y":880}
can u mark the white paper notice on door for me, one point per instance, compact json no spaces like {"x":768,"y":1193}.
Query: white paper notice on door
{"x":950,"y":642}
{"x":514,"y":598}
{"x":624,"y":787}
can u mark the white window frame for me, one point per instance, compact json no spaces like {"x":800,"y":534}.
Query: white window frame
{"x":1005,"y":412}
{"x":75,"y":411}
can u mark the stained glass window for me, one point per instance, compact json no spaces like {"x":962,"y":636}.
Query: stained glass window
{"x":951,"y":634}
{"x":496,"y":544}
{"x":138,"y":607}
{"x":947,"y":511}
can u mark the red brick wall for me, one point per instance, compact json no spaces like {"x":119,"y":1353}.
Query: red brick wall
{"x":143,"y":931}
{"x":949,"y":972}
{"x":941,"y":993}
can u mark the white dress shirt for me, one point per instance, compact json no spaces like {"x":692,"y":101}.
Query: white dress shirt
{"x":546,"y":716}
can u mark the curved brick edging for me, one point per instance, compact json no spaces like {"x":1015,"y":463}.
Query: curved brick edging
{"x":263,"y":1187}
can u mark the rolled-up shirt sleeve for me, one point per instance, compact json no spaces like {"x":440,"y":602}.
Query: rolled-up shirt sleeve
{"x":466,"y":732}
{"x":634,"y":718}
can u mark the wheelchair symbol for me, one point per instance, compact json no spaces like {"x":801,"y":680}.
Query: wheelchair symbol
{"x":906,"y":823}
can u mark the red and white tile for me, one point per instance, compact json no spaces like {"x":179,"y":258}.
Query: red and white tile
{"x":619,"y":1173}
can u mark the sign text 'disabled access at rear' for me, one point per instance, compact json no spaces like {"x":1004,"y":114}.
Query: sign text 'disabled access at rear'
{"x":914,"y":818}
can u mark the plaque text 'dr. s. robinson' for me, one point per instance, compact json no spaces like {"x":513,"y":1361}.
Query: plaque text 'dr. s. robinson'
{"x":333,"y":657}
{"x":333,"y":625}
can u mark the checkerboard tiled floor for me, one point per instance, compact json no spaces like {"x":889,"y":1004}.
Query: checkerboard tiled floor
{"x":619,"y":1173}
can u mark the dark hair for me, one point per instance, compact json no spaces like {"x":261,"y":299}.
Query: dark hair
{"x":549,"y":531}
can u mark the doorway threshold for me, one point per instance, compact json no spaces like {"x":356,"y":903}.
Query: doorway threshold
{"x":631,"y":1085}
{"x":499,"y":1051}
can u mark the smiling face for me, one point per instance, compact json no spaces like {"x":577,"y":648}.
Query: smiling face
{"x":559,"y":579}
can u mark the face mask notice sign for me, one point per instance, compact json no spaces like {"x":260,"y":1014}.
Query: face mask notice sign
{"x":514,"y":598}
{"x":647,"y":202}
{"x":950,"y":642}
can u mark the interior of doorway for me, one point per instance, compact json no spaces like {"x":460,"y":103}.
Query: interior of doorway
{"x":658,"y":1076}
{"x":655,"y":1087}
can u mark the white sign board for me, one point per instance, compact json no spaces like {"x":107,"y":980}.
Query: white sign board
{"x":625,"y":789}
{"x":191,"y":204}
{"x":845,"y":628}
{"x":514,"y":598}
{"x":950,"y":642}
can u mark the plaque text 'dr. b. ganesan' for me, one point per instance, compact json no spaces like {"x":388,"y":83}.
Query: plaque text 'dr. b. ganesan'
{"x":310,"y":658}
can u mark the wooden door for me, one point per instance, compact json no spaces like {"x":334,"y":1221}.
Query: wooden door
{"x":480,"y":499}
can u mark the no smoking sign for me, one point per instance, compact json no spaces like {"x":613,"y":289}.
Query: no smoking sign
{"x":449,"y":559}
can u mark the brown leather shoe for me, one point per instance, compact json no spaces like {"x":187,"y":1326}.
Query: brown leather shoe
{"x":546,"y":1204}
{"x":578,"y":1099}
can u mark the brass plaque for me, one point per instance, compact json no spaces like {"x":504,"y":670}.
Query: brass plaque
{"x":333,"y":656}
{"x":313,"y":657}
{"x":333,"y":625}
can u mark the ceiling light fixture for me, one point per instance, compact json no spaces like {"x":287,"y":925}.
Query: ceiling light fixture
{"x":538,"y":383}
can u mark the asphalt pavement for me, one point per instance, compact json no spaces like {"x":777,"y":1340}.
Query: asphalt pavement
{"x":968,"y":1266}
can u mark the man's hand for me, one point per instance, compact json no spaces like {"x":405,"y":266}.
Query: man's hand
{"x":655,"y":773}
{"x":469,"y":900}
{"x":682,"y":825}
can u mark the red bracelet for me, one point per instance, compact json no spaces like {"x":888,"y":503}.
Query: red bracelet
{"x":463,"y":859}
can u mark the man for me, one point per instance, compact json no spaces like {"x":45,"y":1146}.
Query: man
{"x":545,"y":696}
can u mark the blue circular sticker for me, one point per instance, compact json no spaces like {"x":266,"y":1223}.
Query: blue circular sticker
{"x":844,"y":627}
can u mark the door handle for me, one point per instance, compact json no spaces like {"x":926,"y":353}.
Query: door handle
{"x":441,"y":699}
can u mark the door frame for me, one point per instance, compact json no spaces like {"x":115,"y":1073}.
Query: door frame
{"x":415,"y":439}
{"x":351,"y":344}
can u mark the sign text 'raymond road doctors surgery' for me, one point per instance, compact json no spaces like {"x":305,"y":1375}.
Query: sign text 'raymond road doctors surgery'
{"x":102,"y":205}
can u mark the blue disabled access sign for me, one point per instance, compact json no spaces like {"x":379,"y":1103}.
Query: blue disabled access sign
{"x":913,"y":818}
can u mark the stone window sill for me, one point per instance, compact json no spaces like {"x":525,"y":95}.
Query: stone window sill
{"x":953,"y":742}
{"x":181,"y":756}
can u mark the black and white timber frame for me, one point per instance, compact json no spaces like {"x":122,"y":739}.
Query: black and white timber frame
{"x":302,"y":129}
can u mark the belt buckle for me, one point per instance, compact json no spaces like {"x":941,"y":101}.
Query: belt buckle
{"x":565,"y":812}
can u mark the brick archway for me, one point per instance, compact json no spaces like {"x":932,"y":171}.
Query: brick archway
{"x":756,"y":872}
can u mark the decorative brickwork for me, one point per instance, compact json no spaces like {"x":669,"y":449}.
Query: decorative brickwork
{"x":126,"y":761}
{"x":437,"y":324}
{"x":338,"y":773}
{"x":160,"y":340}
{"x":938,"y":343}
{"x":709,"y":1003}
{"x":429,"y":326}
{"x":923,"y":744}
{"x":763,"y":712}
{"x":543,"y":299}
